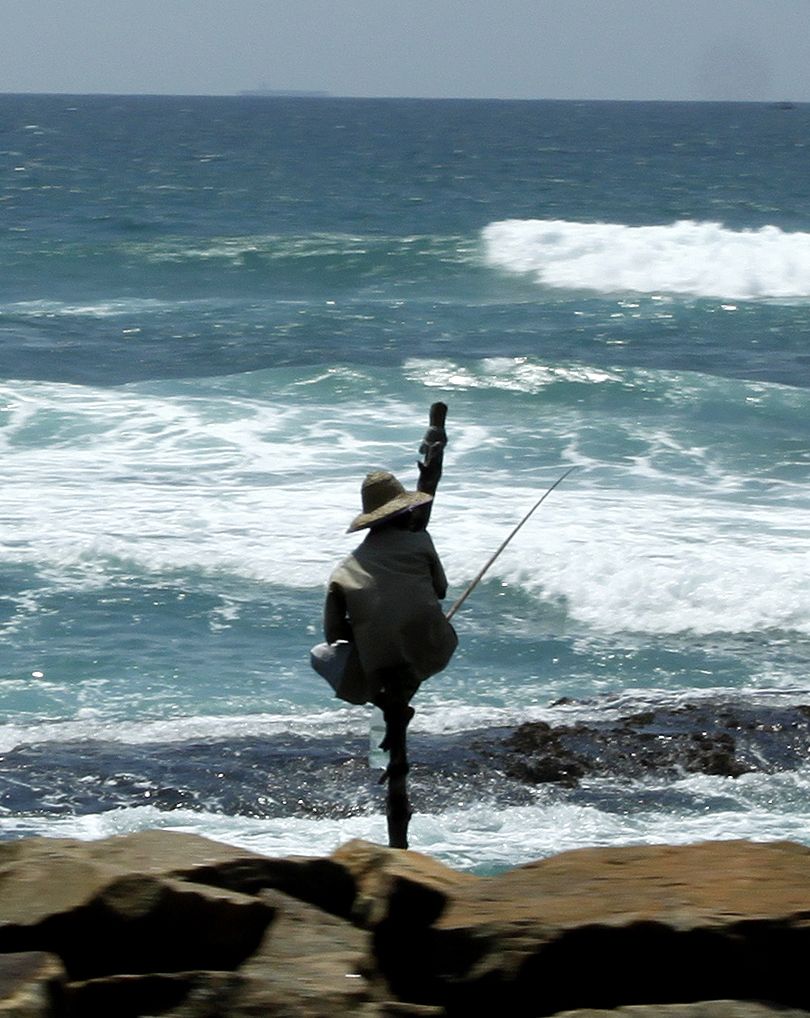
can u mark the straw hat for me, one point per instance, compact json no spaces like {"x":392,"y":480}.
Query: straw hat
{"x":383,"y":497}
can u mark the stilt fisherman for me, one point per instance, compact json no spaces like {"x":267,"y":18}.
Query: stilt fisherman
{"x":384,"y":599}
{"x":386,"y":631}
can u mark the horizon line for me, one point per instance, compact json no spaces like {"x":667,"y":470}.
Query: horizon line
{"x":314,"y":96}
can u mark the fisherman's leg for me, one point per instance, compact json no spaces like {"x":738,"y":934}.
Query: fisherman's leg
{"x":396,"y":686}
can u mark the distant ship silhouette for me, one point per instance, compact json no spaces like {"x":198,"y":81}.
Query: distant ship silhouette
{"x":286,"y":93}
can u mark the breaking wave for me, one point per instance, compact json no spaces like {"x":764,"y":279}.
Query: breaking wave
{"x":702,"y":259}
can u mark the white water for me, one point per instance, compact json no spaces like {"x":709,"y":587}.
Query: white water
{"x":699,"y":258}
{"x":485,"y":837}
{"x":99,"y":483}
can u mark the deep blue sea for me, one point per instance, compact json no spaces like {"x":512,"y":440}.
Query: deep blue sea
{"x":217,"y":314}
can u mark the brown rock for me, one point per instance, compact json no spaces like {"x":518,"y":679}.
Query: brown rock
{"x":609,"y":927}
{"x":159,"y":923}
{"x":319,"y":964}
{"x":683,"y":885}
{"x":410,"y":887}
{"x":30,"y":985}
{"x":42,"y":877}
{"x":310,"y":964}
{"x":99,"y":923}
{"x":200,"y":860}
{"x":169,"y":853}
{"x":321,"y":882}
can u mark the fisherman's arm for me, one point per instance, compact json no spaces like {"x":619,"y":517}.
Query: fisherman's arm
{"x":437,"y":575}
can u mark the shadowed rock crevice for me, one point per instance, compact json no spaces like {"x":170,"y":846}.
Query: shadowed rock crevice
{"x":131,"y":996}
{"x":143,"y":924}
{"x":319,"y":882}
{"x":651,"y":962}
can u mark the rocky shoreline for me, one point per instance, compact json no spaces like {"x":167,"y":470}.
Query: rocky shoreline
{"x":722,"y":738}
{"x":287,"y":775}
{"x":167,"y":923}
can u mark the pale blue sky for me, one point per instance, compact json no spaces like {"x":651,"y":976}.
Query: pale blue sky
{"x":599,"y":49}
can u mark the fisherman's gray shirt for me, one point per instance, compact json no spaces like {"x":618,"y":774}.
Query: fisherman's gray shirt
{"x":389,"y":587}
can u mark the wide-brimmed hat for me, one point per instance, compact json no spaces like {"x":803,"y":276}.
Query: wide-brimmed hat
{"x":383,"y":496}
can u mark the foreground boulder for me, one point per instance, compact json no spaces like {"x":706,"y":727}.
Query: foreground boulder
{"x":601,"y":928}
{"x":162,"y":923}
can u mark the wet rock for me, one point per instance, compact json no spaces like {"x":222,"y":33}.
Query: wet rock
{"x":697,"y":738}
{"x":538,"y":753}
{"x":287,"y":775}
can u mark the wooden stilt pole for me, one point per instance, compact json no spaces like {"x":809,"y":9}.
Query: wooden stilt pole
{"x":398,"y":812}
{"x":398,"y":807}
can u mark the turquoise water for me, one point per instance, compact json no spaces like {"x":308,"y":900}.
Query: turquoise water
{"x":216,"y":315}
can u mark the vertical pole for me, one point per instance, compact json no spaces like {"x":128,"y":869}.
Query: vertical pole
{"x":398,"y":807}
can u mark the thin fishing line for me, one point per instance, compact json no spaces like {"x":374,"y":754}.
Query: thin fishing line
{"x":503,"y":544}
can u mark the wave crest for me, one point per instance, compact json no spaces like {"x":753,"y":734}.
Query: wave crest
{"x":697,"y":258}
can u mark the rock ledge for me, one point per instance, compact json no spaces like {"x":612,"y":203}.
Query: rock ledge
{"x":164,"y":923}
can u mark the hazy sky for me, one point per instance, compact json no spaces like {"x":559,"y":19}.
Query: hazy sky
{"x":528,"y":49}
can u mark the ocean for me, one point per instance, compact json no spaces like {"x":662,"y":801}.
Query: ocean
{"x":218,"y":314}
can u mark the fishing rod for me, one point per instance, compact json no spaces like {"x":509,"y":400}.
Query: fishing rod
{"x":478,"y":578}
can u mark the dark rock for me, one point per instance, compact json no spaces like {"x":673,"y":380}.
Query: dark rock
{"x":703,"y":1009}
{"x":694,"y":738}
{"x":201,"y":994}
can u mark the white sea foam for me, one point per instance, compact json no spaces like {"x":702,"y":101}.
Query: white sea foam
{"x":339,"y":248}
{"x":335,"y":720}
{"x":484,"y":836}
{"x":99,"y":484}
{"x":656,"y":563}
{"x":698,"y":258}
{"x":332,"y":721}
{"x":91,"y":477}
{"x":124,"y":306}
{"x":510,"y":374}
